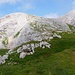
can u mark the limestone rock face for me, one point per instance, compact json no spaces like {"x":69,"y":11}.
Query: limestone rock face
{"x":3,"y":58}
{"x":19,"y":28}
{"x":68,"y":18}
{"x":22,"y":33}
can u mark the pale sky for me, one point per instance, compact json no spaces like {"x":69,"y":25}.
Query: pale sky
{"x":45,"y":8}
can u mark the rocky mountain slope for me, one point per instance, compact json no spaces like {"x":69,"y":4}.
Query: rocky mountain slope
{"x":69,"y":18}
{"x":23,"y":33}
{"x":18,"y":28}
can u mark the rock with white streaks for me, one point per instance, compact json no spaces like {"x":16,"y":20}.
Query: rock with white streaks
{"x":22,"y":33}
{"x":22,"y":55}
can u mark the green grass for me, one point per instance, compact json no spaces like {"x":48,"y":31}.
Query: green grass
{"x":59,"y":60}
{"x":72,"y":28}
{"x":16,"y":35}
{"x":5,"y":41}
{"x":3,"y":51}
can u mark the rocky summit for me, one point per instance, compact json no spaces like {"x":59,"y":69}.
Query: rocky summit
{"x":22,"y":33}
{"x":68,"y":18}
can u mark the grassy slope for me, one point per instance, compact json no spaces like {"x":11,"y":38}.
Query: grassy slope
{"x":3,"y":51}
{"x":59,"y":60}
